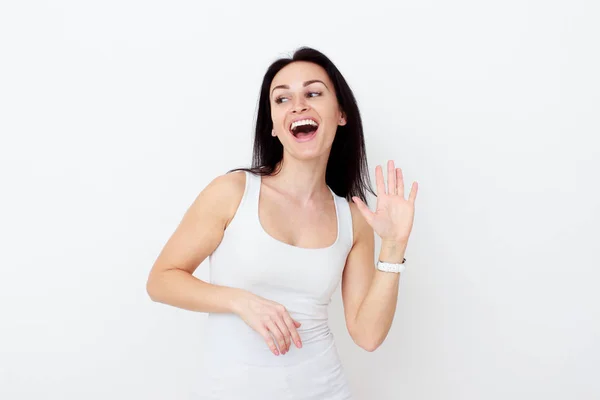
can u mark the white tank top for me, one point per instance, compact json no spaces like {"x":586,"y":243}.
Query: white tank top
{"x":237,"y":361}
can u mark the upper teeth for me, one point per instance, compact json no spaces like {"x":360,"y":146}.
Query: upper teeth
{"x":303,"y":122}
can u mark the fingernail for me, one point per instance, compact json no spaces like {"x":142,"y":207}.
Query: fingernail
{"x":299,"y":344}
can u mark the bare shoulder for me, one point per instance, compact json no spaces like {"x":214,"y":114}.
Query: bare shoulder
{"x":223,"y":195}
{"x":203,"y":224}
{"x":360,"y":226}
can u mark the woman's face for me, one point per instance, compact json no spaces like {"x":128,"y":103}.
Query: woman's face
{"x":303,"y":91}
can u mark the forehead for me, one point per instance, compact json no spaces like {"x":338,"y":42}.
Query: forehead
{"x":294,"y":74}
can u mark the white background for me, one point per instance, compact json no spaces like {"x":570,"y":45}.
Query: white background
{"x":115,"y":114}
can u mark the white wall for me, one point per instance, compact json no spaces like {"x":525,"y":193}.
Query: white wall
{"x":115,"y":114}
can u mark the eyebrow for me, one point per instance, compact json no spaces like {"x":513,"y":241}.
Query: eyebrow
{"x":304,"y":85}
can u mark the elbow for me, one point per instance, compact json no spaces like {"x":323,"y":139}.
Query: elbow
{"x":369,"y":346}
{"x":151,"y":288}
{"x":366,"y":342}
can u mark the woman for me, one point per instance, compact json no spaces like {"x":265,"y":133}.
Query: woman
{"x":281,"y":236}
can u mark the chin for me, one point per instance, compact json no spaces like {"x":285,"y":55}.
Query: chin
{"x":310,"y":154}
{"x":308,"y":148}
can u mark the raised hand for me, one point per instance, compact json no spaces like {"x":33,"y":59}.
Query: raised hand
{"x":268,"y":317}
{"x":394,"y":215}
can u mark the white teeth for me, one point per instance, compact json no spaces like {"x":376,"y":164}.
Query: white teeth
{"x":303,"y":122}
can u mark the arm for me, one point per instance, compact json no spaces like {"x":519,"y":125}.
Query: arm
{"x":199,"y":233}
{"x":197,"y":236}
{"x":369,"y":295}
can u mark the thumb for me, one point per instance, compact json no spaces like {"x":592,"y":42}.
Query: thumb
{"x":363,"y":208}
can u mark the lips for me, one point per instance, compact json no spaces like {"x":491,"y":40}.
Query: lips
{"x":304,"y":128}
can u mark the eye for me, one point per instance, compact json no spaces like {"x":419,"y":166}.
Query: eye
{"x":280,"y":99}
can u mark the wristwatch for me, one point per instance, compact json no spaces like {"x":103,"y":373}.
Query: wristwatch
{"x":390,"y":267}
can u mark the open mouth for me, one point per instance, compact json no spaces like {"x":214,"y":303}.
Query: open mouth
{"x":305,"y":129}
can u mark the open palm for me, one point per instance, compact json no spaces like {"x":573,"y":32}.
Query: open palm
{"x":394,"y":215}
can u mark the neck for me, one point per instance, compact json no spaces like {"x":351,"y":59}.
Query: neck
{"x":302,"y":179}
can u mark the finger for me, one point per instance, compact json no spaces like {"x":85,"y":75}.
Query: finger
{"x":364,"y":210}
{"x":269,"y":339}
{"x":286,"y":334}
{"x":293,"y":325}
{"x":379,"y":180}
{"x":276,"y":332}
{"x":391,"y":174}
{"x":400,"y":182}
{"x":413,"y":193}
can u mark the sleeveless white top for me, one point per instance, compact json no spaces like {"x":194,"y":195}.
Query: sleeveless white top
{"x":237,"y":362}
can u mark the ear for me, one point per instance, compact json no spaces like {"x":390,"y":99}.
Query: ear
{"x":342,"y":121}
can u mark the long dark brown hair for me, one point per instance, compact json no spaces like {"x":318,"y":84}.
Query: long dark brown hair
{"x":347,"y":171}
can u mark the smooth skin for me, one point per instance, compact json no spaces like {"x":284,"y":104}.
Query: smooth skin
{"x":299,"y":189}
{"x":196,"y":237}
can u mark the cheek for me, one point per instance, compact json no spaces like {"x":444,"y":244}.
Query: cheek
{"x":275,"y":117}
{"x":329,"y":111}
{"x":278,"y":120}
{"x":332,"y":120}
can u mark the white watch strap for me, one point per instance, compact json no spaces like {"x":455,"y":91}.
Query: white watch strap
{"x":391,"y":267}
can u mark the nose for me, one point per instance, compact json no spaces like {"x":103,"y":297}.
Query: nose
{"x":299,"y":106}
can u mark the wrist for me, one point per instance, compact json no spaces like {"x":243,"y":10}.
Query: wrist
{"x":392,"y":251}
{"x":401,"y":243}
{"x":236,"y":298}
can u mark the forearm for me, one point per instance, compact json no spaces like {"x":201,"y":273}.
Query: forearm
{"x":180,"y":289}
{"x":376,"y":313}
